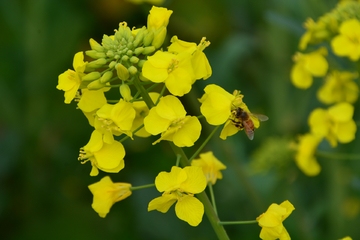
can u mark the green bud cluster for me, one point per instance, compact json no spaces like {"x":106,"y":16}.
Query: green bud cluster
{"x":124,"y":52}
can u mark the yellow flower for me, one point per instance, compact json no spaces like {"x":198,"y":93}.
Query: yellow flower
{"x":210,"y":165}
{"x":219,"y":107}
{"x":346,"y":238}
{"x":179,"y":186}
{"x":201,"y":66}
{"x":316,"y":33}
{"x":103,"y":156}
{"x":174,"y":70}
{"x":339,"y":87}
{"x":271,"y":221}
{"x":308,"y":65}
{"x":106,"y":193}
{"x":115,"y":120}
{"x":335,"y":124}
{"x":169,"y":118}
{"x":347,"y":43}
{"x":305,"y":155}
{"x":70,"y":80}
{"x":142,"y":111}
{"x":158,"y":17}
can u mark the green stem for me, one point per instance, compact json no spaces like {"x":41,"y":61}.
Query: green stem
{"x":184,"y":161}
{"x":126,"y":137}
{"x":112,"y":101}
{"x":237,"y":222}
{"x":204,"y":143}
{"x":161,"y":94}
{"x":338,"y":156}
{"x":212,"y":197}
{"x":142,"y":187}
{"x":178,"y":157}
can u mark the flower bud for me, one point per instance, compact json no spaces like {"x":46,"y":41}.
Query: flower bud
{"x":125,"y":92}
{"x":96,"y":63}
{"x":132,"y":70}
{"x":134,"y":59}
{"x":112,"y":64}
{"x":106,"y":77}
{"x":141,"y":63}
{"x":95,"y":45}
{"x":138,"y":51}
{"x":110,"y":54}
{"x":129,"y":53}
{"x":159,"y":37}
{"x":125,"y":58}
{"x":148,"y":39}
{"x":91,"y":76}
{"x":122,"y":72}
{"x":96,"y":85}
{"x":95,"y":54}
{"x":148,"y":50}
{"x":130,"y":45}
{"x":139,"y":36}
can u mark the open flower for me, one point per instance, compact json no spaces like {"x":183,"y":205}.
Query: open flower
{"x":308,"y":65}
{"x":103,"y":156}
{"x":169,"y":118}
{"x":90,"y":101}
{"x":210,"y":165}
{"x":175,"y":71}
{"x":219,"y":107}
{"x":106,"y":193}
{"x":305,"y":154}
{"x":347,"y":43}
{"x":339,"y":87}
{"x":70,"y":80}
{"x":271,"y":221}
{"x":179,"y":186}
{"x":115,"y":120}
{"x":335,"y":123}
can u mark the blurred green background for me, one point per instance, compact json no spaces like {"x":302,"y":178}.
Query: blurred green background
{"x":43,"y":188}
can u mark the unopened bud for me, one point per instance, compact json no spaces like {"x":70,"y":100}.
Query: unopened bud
{"x":138,"y":51}
{"x":125,"y":58}
{"x":134,"y":59}
{"x":97,"y":63}
{"x":139,"y":37}
{"x":132,"y":70}
{"x":110,"y":54}
{"x":96,"y":85}
{"x":125,"y":92}
{"x":106,"y":77}
{"x":129,"y":53}
{"x":130,"y":45}
{"x":148,"y":39}
{"x":95,"y":54}
{"x":112,"y":64}
{"x":91,"y":76}
{"x":122,"y":72}
{"x":148,"y":50}
{"x":141,"y":63}
{"x":159,"y":37}
{"x":95,"y":45}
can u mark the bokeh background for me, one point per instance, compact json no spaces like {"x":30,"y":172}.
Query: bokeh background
{"x":43,"y":188}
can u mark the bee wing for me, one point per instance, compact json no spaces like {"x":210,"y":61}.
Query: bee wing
{"x":249,"y":133}
{"x":261,"y":117}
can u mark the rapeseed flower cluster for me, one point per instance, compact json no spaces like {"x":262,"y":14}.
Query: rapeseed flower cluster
{"x":339,"y":31}
{"x":133,"y":61}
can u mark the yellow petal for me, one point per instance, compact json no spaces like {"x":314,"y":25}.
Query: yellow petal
{"x":95,"y":143}
{"x":170,"y":181}
{"x":170,"y":107}
{"x":163,"y":203}
{"x":346,"y":131}
{"x":155,"y":124}
{"x":300,"y":77}
{"x":110,"y":155}
{"x":189,"y":133}
{"x":342,"y":112}
{"x":91,"y":100}
{"x":316,"y":64}
{"x":190,"y":210}
{"x":196,"y":180}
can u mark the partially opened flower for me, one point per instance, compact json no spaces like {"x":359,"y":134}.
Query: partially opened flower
{"x":70,"y":80}
{"x":210,"y":165}
{"x":201,"y":65}
{"x":335,"y":123}
{"x":103,"y":156}
{"x":272,"y":221}
{"x":106,"y":193}
{"x":90,"y":101}
{"x":179,"y":186}
{"x":347,"y":43}
{"x":307,"y":66}
{"x":305,"y":154}
{"x":169,"y":118}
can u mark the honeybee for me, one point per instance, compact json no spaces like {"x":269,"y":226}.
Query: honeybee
{"x":242,"y":120}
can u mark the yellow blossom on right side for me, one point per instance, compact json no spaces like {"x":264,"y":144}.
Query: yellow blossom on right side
{"x":210,"y":165}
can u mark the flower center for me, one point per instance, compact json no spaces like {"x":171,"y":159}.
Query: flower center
{"x":173,"y":65}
